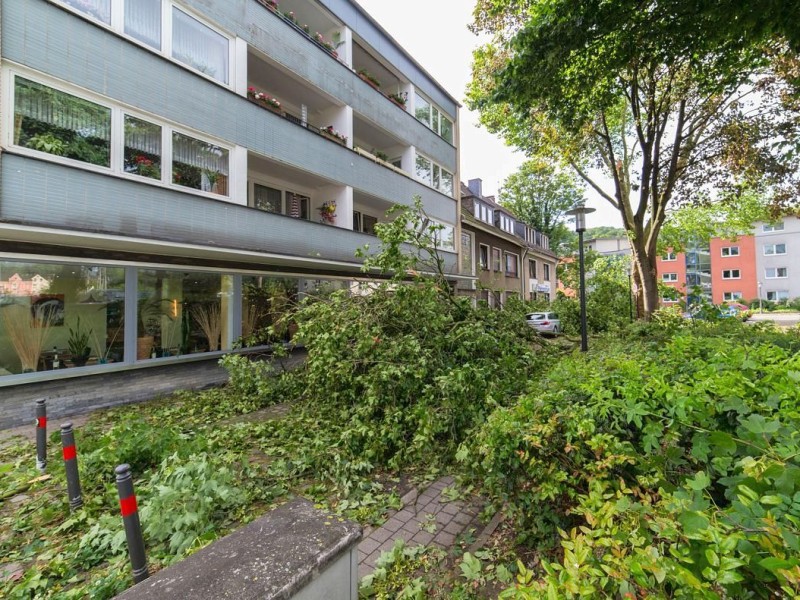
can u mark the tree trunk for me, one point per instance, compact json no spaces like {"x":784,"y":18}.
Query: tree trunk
{"x":646,"y":277}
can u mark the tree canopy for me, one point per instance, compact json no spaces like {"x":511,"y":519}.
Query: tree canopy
{"x":539,"y":194}
{"x":651,"y":103}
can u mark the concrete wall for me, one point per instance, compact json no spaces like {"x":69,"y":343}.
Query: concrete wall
{"x":78,"y":395}
{"x":790,"y":235}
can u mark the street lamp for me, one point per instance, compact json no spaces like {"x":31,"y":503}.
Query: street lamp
{"x":580,"y":212}
{"x":760,"y":306}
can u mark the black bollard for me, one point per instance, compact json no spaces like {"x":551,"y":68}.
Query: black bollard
{"x":41,"y":434}
{"x":71,"y":466}
{"x":133,"y":528}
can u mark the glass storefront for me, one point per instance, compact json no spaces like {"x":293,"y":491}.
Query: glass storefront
{"x":56,"y":316}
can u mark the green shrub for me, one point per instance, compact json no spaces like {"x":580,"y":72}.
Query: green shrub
{"x":668,"y":470}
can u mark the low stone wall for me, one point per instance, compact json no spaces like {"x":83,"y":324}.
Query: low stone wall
{"x":77,"y":395}
{"x":294,"y":551}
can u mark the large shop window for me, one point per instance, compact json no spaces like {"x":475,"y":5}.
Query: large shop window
{"x":55,"y":316}
{"x":61,"y":124}
{"x":67,"y":126}
{"x":182,"y":313}
{"x":199,"y":46}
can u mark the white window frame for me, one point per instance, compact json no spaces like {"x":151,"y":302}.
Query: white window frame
{"x":730,"y":252}
{"x":285,"y":189}
{"x":434,"y":165}
{"x":506,"y":272}
{"x":441,"y":113}
{"x":774,"y":248}
{"x":484,"y":266}
{"x":777,"y":274}
{"x":731,"y":296}
{"x":669,"y":257}
{"x":730,"y":274}
{"x":236,"y":160}
{"x":669,"y":277}
{"x":118,"y":27}
{"x":778,"y":295}
{"x":773,"y":227}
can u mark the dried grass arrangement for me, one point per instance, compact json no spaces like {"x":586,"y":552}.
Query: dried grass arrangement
{"x":209,"y":319}
{"x":250,"y":317}
{"x":28,"y":341}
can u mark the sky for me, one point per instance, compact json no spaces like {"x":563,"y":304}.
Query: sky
{"x":435,"y":33}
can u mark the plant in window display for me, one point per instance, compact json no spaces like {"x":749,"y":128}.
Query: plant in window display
{"x":47,"y":142}
{"x":28,"y":334}
{"x":78,"y":344}
{"x":209,"y":318}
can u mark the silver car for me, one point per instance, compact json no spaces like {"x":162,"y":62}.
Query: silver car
{"x":544,"y":322}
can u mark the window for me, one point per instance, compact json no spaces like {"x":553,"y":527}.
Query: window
{"x":97,"y":9}
{"x":198,"y":46}
{"x":142,"y":148}
{"x":668,"y":299}
{"x":669,"y":256}
{"x":433,"y":118}
{"x":731,"y":274}
{"x":466,"y":253}
{"x":483,"y":257}
{"x":532,"y":269}
{"x":728,"y":296}
{"x":52,"y":121}
{"x":730,"y":251}
{"x":497,"y":259}
{"x":669,"y":277}
{"x":199,"y":165}
{"x":368,"y":224}
{"x":65,"y":126}
{"x":506,"y":223}
{"x":546,"y":272}
{"x":483,"y":213}
{"x":778,"y":295}
{"x":268,"y":199}
{"x":512,"y":265}
{"x":773,"y":227}
{"x":445,"y":236}
{"x":174,"y":33}
{"x":143,"y":21}
{"x":433,"y":175}
{"x":776,"y":273}
{"x":773,"y":249}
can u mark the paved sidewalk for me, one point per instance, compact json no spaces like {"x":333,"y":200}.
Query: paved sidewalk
{"x":427,"y":519}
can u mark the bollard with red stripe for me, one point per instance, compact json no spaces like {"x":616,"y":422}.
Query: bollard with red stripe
{"x":71,"y":466}
{"x":133,"y":528}
{"x":41,"y":434}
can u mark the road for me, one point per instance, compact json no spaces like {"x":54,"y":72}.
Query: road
{"x":781,"y":319}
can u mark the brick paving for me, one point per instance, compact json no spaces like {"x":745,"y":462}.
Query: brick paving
{"x":426,"y":519}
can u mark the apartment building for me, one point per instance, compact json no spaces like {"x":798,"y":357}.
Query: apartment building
{"x":733,"y":272}
{"x":507,"y":257}
{"x":171,"y":167}
{"x":777,"y":258}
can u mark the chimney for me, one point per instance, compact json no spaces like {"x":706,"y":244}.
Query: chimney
{"x":476,"y":187}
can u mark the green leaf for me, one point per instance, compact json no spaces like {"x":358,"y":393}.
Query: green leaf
{"x":723,"y":442}
{"x":693,"y":522}
{"x":700,"y":482}
{"x":773,"y":563}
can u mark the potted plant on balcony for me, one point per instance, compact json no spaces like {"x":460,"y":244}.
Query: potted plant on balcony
{"x":400,"y":98}
{"x":265,"y":100}
{"x":78,"y":344}
{"x":327,"y":212}
{"x":369,"y":78}
{"x":334,"y":135}
{"x":270,"y":4}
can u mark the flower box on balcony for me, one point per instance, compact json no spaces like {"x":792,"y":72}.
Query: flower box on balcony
{"x":270,"y":4}
{"x":330,"y":133}
{"x":369,"y":78}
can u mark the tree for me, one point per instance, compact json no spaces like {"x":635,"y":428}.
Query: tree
{"x":539,"y":194}
{"x":651,"y":103}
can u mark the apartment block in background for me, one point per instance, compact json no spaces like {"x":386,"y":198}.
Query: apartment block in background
{"x":507,"y":257}
{"x":777,"y":258}
{"x":175,"y":171}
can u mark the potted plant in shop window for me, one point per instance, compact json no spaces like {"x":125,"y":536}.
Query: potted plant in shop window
{"x":78,"y":344}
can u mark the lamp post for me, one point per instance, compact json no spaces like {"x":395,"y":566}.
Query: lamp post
{"x":760,"y":306}
{"x":580,"y":212}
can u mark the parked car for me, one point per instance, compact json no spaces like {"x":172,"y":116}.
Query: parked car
{"x":544,"y":322}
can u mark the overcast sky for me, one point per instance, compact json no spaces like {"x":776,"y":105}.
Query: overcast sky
{"x":435,"y":33}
